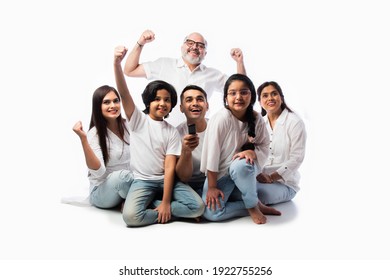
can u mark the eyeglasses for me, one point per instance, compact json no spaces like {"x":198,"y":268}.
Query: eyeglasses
{"x":242,"y":92}
{"x":191,"y":43}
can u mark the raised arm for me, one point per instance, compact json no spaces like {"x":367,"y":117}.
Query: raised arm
{"x":132,"y":67}
{"x":127,"y":100}
{"x":238,"y":56}
{"x":91,"y":159}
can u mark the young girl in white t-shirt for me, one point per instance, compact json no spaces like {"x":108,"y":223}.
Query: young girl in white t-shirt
{"x":154,"y":151}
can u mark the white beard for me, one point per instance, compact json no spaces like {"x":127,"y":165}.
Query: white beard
{"x":192,"y":60}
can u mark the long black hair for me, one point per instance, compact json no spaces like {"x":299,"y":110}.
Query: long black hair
{"x":250,"y":115}
{"x":278,"y":89}
{"x":98,"y":120}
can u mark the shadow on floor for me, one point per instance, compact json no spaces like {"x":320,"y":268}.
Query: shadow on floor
{"x":289,"y":213}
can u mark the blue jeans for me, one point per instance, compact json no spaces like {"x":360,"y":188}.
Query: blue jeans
{"x":113,"y":191}
{"x":186,"y":203}
{"x":274,"y":193}
{"x":197,"y":187}
{"x":242,"y":176}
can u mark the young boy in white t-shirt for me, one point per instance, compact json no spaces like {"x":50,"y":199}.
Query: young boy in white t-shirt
{"x":155,"y":147}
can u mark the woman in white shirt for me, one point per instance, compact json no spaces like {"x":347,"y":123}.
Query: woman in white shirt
{"x":278,"y":182}
{"x":106,"y":150}
{"x":234,"y":149}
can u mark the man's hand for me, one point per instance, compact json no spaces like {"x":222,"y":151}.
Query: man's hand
{"x":146,"y":37}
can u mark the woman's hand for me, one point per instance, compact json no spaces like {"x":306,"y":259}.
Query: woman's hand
{"x":249,"y":155}
{"x":264,"y":178}
{"x":212,"y":198}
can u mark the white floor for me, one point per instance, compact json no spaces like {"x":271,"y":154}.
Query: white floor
{"x":310,"y":228}
{"x":95,"y":233}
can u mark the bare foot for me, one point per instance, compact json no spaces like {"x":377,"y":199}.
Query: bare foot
{"x":257,"y":216}
{"x":267,"y":210}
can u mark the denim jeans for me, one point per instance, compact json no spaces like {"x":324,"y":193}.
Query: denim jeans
{"x":274,"y":193}
{"x":242,"y":176}
{"x":197,"y":187}
{"x":113,"y":191}
{"x":137,"y":211}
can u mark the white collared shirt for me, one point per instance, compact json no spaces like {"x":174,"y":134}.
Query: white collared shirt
{"x":287,"y":147}
{"x":177,"y":73}
{"x":225,"y":135}
{"x":119,"y":153}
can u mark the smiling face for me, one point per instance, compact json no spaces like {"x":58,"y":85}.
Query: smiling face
{"x":194,"y":49}
{"x":238,"y":98}
{"x":161,"y":105}
{"x":194,"y":105}
{"x":111,"y":106}
{"x":271,"y":100}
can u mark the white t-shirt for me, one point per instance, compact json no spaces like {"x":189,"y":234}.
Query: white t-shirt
{"x":225,"y":135}
{"x":151,"y":141}
{"x":287,"y":148}
{"x":197,"y":175}
{"x":119,"y":156}
{"x":177,"y":73}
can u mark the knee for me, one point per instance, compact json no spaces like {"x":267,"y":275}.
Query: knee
{"x":122,"y":178}
{"x":199,"y":210}
{"x":132,"y":218}
{"x":242,"y":168}
{"x":122,"y":181}
{"x":268,"y":197}
{"x":126,"y":175}
{"x":198,"y":207}
{"x":263,"y":197}
{"x":128,"y":218}
{"x":211,"y":215}
{"x":104,"y":204}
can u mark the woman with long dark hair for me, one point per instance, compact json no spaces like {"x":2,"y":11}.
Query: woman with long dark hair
{"x":106,"y":149}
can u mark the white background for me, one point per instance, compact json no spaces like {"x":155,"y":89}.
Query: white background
{"x":330,"y":57}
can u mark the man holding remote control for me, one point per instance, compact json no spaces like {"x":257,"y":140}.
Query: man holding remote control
{"x":194,"y":105}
